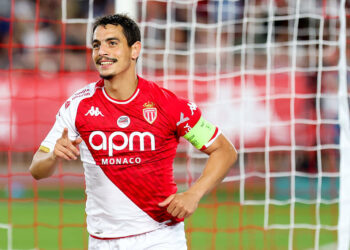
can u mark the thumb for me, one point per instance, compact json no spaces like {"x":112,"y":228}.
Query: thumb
{"x":77,"y":141}
{"x":166,"y":201}
{"x":65,"y":133}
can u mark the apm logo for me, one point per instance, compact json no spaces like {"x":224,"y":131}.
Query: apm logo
{"x":94,"y":112}
{"x":125,"y":141}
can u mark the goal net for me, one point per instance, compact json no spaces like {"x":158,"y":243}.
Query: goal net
{"x":272,"y":75}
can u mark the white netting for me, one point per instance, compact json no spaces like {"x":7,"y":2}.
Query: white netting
{"x":268,"y":73}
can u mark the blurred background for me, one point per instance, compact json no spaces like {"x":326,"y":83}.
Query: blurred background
{"x":272,"y":74}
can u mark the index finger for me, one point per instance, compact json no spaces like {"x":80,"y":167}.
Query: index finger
{"x":166,"y":201}
{"x":65,"y":133}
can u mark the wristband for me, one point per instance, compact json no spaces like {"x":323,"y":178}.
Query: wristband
{"x":44,"y":149}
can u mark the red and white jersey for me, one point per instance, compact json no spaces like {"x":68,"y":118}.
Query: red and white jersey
{"x":127,"y":152}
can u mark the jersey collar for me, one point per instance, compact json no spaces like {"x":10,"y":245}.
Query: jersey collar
{"x":130,"y":99}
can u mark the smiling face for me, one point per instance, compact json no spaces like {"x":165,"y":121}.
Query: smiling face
{"x":111,"y":53}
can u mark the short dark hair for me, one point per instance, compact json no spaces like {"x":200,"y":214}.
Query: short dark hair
{"x":130,"y":29}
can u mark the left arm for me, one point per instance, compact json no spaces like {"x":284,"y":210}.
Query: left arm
{"x":222,"y":155}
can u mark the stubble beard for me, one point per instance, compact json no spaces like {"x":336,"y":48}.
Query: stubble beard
{"x":107,"y":77}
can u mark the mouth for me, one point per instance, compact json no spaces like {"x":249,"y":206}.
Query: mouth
{"x":106,"y":61}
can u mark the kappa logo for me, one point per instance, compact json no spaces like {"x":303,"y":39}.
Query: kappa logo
{"x":192,"y":107}
{"x":94,"y":112}
{"x":149,"y":112}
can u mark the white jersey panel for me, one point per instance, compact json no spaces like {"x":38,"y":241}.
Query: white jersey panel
{"x":85,"y":155}
{"x":110,"y":213}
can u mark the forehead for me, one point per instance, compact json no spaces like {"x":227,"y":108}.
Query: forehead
{"x":108,"y":31}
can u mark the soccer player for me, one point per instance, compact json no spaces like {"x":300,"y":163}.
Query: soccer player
{"x":125,"y":130}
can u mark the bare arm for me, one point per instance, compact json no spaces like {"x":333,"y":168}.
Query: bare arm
{"x":44,"y":164}
{"x":222,"y":155}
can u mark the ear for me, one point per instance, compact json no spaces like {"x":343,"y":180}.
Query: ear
{"x":135,"y":50}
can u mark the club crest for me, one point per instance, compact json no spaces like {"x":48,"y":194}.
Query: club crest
{"x":149,"y":112}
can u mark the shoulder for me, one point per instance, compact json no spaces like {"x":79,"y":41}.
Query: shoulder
{"x":162,"y":95}
{"x":74,"y":100}
{"x":180,"y":111}
{"x":85,"y":92}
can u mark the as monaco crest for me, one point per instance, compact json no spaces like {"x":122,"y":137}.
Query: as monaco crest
{"x":149,"y":112}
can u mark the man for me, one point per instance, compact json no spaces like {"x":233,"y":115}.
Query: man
{"x":127,"y":130}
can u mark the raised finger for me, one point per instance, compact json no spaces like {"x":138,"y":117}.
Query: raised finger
{"x":66,"y":143}
{"x":65,"y":133}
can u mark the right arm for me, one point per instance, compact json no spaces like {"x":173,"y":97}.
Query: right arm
{"x":44,"y":164}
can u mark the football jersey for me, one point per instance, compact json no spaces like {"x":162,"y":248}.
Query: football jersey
{"x":127,"y":152}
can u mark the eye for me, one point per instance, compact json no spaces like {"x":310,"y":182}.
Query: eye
{"x":112,"y":43}
{"x":95,"y":45}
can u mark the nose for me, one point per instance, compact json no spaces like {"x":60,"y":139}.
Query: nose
{"x":102,"y":50}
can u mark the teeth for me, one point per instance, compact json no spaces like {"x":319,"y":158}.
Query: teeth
{"x":106,"y":63}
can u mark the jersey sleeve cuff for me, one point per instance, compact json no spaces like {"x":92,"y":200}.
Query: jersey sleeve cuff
{"x":213,"y":138}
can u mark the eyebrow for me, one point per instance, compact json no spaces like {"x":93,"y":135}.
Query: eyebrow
{"x":108,"y":39}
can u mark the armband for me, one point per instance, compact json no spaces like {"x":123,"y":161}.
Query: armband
{"x":201,"y":133}
{"x":44,"y":149}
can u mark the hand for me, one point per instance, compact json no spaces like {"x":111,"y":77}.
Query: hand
{"x":181,"y":205}
{"x":65,"y":148}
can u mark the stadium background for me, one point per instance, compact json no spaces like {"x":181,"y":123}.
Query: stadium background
{"x":267,"y":72}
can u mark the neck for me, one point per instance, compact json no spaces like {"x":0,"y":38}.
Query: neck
{"x":121,"y":87}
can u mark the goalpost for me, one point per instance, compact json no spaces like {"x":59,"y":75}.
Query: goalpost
{"x":272,"y":74}
{"x":344,"y":199}
{"x":8,"y":229}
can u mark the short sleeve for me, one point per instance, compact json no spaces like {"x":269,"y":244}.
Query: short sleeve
{"x":192,"y":126}
{"x":188,"y":114}
{"x":65,"y":118}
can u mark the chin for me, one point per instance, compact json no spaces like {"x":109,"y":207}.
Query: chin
{"x":107,"y":77}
